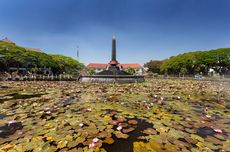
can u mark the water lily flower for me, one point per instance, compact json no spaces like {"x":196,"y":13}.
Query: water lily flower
{"x":11,"y":122}
{"x":187,"y":119}
{"x":154,"y":100}
{"x":208,"y":116}
{"x":218,"y":131}
{"x":119,"y":127}
{"x":48,"y":112}
{"x":95,"y":140}
{"x":89,"y":109}
{"x":20,"y":133}
{"x":81,"y":124}
{"x":91,"y":145}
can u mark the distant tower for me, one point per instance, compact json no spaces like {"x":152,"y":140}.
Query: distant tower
{"x":78,"y":53}
{"x":113,"y":57}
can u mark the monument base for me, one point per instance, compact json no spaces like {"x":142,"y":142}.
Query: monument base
{"x":112,"y":79}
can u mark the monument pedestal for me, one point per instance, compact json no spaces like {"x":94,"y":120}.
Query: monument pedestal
{"x":113,"y":72}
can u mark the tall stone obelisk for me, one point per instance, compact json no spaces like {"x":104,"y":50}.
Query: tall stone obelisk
{"x":113,"y":49}
{"x":113,"y":57}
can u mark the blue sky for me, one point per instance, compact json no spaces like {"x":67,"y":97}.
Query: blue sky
{"x":145,"y":29}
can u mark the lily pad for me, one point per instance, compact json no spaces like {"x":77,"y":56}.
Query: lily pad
{"x":119,"y":134}
{"x":128,"y":130}
{"x":109,"y":140}
{"x":150,"y":131}
{"x":132,"y":122}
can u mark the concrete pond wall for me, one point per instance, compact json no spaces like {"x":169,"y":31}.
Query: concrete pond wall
{"x":111,"y":79}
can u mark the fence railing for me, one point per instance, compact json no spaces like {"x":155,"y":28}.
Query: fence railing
{"x":225,"y":78}
{"x":61,"y":77}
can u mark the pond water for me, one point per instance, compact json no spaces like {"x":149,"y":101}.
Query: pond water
{"x":158,"y":115}
{"x":2,"y":116}
{"x":204,"y":132}
{"x":126,"y":145}
{"x":10,"y":129}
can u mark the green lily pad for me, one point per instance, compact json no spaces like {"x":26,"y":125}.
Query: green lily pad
{"x":128,"y":130}
{"x":132,"y":122}
{"x":119,"y":134}
{"x":62,"y":144}
{"x":150,"y":131}
{"x":197,"y":137}
{"x":109,"y":140}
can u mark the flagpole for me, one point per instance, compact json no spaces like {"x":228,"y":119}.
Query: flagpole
{"x":78,"y":53}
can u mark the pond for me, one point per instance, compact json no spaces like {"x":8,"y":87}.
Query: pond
{"x":157,"y":115}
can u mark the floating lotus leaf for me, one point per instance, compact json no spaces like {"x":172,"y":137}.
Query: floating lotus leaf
{"x":72,"y":144}
{"x":6,"y":147}
{"x":150,"y":146}
{"x":62,"y":144}
{"x":45,"y":147}
{"x":177,"y":133}
{"x":200,"y":145}
{"x":113,"y":122}
{"x":214,"y":140}
{"x":103,"y":134}
{"x":109,"y":140}
{"x":123,"y":125}
{"x":197,"y":137}
{"x":128,"y":130}
{"x":226,"y":145}
{"x":31,"y":145}
{"x":69,"y":138}
{"x":191,"y":140}
{"x":140,"y":147}
{"x":101,"y":127}
{"x":121,"y":119}
{"x":181,"y":144}
{"x":92,"y":131}
{"x":170,"y":147}
{"x":191,"y":131}
{"x":109,"y":126}
{"x":107,"y":117}
{"x":210,"y":146}
{"x":219,"y":136}
{"x":19,"y":148}
{"x":132,"y":122}
{"x":74,"y":122}
{"x":162,"y":129}
{"x":80,"y":140}
{"x":119,"y":134}
{"x":150,"y":131}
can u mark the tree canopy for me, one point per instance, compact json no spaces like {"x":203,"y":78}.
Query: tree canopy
{"x":154,"y":66}
{"x":12,"y":55}
{"x":194,"y":62}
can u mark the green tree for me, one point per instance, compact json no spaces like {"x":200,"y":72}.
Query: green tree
{"x":91,"y":71}
{"x":131,"y":70}
{"x":66,"y":64}
{"x":199,"y":61}
{"x":183,"y":71}
{"x":154,"y":66}
{"x":16,"y":56}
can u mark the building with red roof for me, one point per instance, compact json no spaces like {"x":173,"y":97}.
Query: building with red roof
{"x":98,"y":67}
